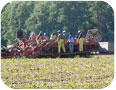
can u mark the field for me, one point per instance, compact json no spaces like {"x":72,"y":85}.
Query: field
{"x":58,"y":73}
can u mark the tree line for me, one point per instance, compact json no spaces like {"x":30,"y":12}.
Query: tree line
{"x":50,"y":16}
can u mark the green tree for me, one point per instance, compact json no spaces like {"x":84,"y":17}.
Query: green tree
{"x":50,"y":16}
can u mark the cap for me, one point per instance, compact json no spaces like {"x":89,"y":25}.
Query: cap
{"x":58,"y":31}
{"x":64,"y":31}
{"x":79,"y":31}
{"x":40,"y":32}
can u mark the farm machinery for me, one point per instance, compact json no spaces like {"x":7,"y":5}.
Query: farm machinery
{"x":49,"y":48}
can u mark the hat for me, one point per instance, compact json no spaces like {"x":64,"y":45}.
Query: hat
{"x":40,"y":32}
{"x":64,"y":31}
{"x":58,"y":31}
{"x":79,"y":31}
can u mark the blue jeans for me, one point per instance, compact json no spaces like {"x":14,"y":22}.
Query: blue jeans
{"x":71,"y":46}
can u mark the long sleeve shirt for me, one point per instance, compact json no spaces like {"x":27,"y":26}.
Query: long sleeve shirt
{"x":60,"y":36}
{"x":71,"y":38}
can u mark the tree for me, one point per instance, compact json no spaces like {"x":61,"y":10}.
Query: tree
{"x":50,"y":16}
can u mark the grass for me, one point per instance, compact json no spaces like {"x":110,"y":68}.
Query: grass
{"x":59,"y":73}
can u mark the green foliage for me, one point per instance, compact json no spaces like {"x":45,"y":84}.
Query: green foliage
{"x":50,"y":16}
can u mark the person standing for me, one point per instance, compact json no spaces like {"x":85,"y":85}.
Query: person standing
{"x":19,"y":35}
{"x":65,"y":35}
{"x":60,"y":40}
{"x":45,"y":37}
{"x":71,"y":41}
{"x":77,"y":37}
{"x":32,"y":37}
{"x":81,"y":41}
{"x":39,"y":38}
{"x":53,"y":36}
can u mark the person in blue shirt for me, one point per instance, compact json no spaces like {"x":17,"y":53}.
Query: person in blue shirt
{"x":45,"y":37}
{"x":71,"y":41}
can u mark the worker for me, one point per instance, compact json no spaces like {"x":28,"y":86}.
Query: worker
{"x":53,"y":36}
{"x":32,"y":37}
{"x":19,"y":36}
{"x":77,"y":37}
{"x":81,"y":41}
{"x":39,"y":38}
{"x":71,"y":41}
{"x":60,"y":40}
{"x":45,"y":37}
{"x":65,"y":35}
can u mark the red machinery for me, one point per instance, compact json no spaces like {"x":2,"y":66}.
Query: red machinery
{"x":49,"y":48}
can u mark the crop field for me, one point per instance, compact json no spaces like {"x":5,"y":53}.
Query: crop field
{"x":58,"y":73}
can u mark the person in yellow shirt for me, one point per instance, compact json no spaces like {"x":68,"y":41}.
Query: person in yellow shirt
{"x":39,"y":38}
